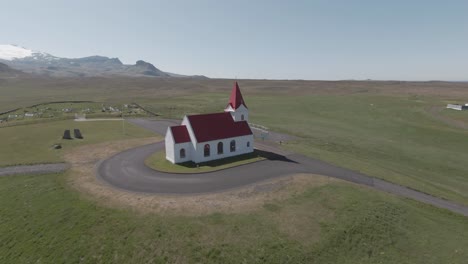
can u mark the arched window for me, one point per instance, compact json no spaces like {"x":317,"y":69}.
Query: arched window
{"x":220,"y":148}
{"x":248,"y":144}
{"x":242,"y":117}
{"x":233,"y":145}
{"x":206,"y":150}
{"x":182,"y":153}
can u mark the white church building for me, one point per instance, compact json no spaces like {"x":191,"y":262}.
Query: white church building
{"x":215,"y":136}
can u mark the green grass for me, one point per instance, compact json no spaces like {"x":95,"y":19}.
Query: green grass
{"x":385,"y":136}
{"x":43,"y":221}
{"x":392,"y":138}
{"x":159,"y":162}
{"x":379,"y":128}
{"x":456,"y":115}
{"x":29,"y":144}
{"x":55,"y":111}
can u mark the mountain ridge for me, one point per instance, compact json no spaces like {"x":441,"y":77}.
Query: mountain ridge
{"x":7,"y":71}
{"x":41,"y":63}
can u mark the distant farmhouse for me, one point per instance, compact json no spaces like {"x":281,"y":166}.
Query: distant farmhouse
{"x":457,"y":107}
{"x":30,"y":114}
{"x":215,"y":136}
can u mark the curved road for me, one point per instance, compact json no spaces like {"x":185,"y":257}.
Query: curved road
{"x":127,"y":171}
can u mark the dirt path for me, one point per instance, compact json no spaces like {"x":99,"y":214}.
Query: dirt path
{"x":34,"y":169}
{"x":98,"y":119}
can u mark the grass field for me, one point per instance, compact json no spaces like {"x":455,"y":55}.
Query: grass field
{"x":29,"y":144}
{"x":385,"y":136}
{"x":456,"y":115}
{"x":43,"y":221}
{"x":68,"y":110}
{"x":382,"y":129}
{"x":159,"y":162}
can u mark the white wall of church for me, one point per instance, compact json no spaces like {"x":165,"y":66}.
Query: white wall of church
{"x":241,"y":148}
{"x":169,"y":141}
{"x":173,"y":149}
{"x":240,"y":114}
{"x":188,"y":152}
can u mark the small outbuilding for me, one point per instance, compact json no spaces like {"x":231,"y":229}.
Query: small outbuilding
{"x":457,"y":107}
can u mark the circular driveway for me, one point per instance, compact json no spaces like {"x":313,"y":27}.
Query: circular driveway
{"x":128,"y":171}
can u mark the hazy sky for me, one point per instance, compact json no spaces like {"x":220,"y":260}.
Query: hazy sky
{"x":329,"y":39}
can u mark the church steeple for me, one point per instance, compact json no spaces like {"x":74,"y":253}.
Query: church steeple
{"x":236,"y":99}
{"x":236,"y":105}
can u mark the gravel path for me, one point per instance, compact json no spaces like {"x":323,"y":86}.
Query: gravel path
{"x":98,"y":119}
{"x":34,"y":169}
{"x":127,"y":171}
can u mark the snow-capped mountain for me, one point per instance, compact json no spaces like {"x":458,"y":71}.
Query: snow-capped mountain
{"x":11,"y":52}
{"x":41,"y":63}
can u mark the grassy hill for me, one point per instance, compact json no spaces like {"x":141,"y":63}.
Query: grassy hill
{"x":32,"y":144}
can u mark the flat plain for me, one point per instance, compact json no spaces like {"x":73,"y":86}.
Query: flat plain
{"x":32,"y":144}
{"x":383,"y":129}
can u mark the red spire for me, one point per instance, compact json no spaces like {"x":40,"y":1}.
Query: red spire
{"x":236,"y":99}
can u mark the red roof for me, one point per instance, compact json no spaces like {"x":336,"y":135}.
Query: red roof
{"x":210,"y":127}
{"x":180,"y":134}
{"x":236,"y":99}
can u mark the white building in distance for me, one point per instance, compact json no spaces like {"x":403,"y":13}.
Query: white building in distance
{"x":207,"y":137}
{"x":457,"y":107}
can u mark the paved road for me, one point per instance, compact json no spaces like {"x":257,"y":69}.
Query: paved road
{"x":34,"y":169}
{"x":127,"y":171}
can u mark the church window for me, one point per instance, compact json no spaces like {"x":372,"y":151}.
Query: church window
{"x":206,"y":150}
{"x":233,"y":146}
{"x":248,"y":144}
{"x":182,"y":153}
{"x":242,"y":117}
{"x":220,"y":148}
